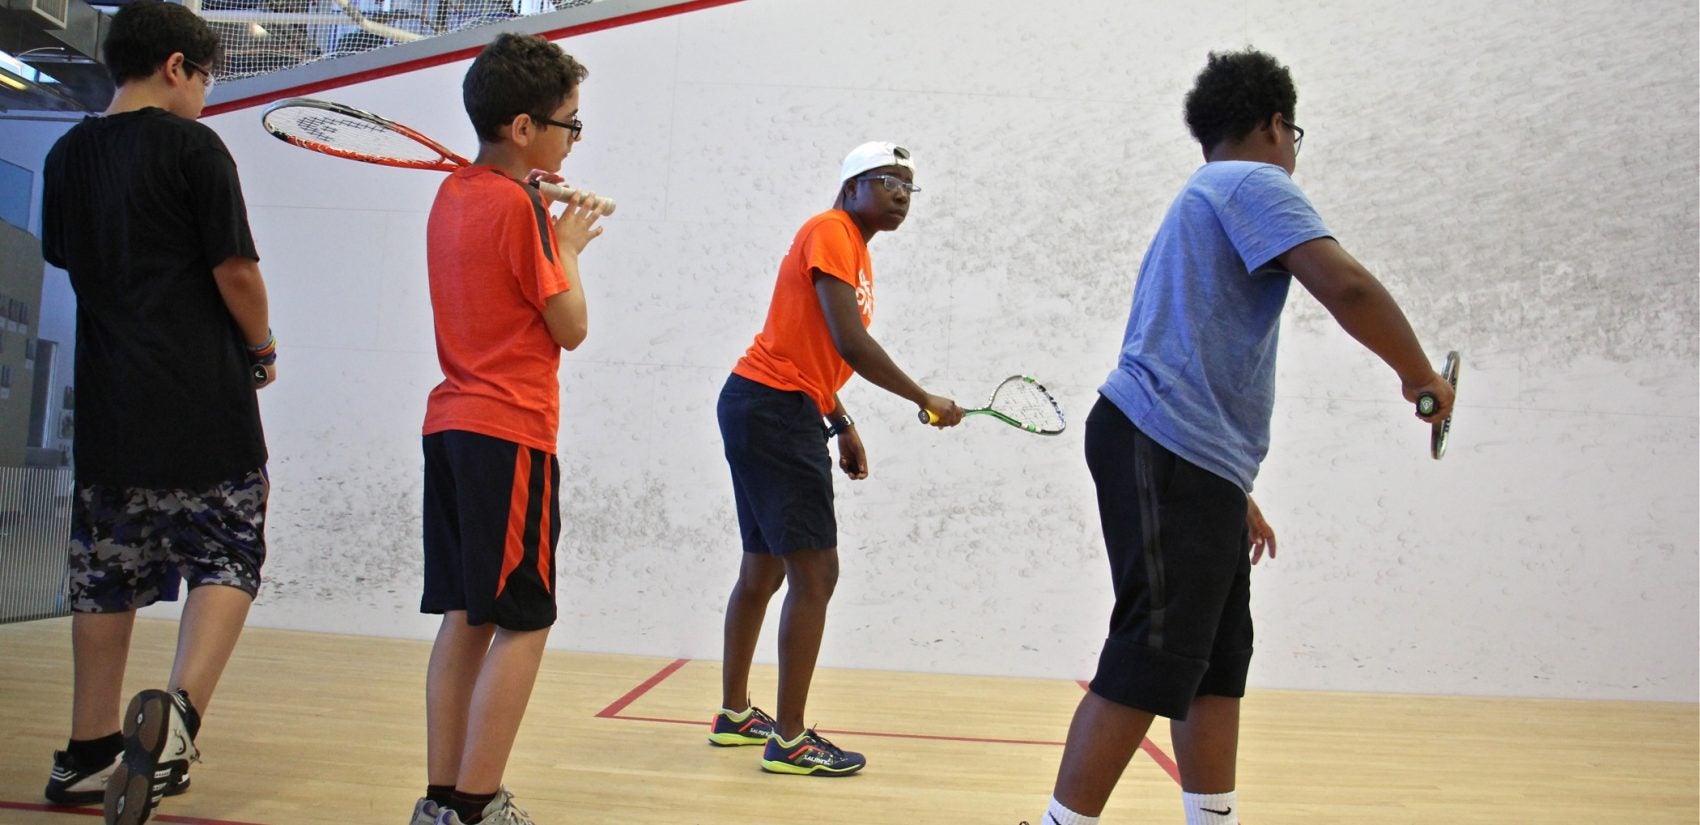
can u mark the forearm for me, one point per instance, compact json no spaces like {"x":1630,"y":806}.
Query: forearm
{"x":1368,"y":313}
{"x":567,"y":314}
{"x":870,"y":361}
{"x":1360,"y":304}
{"x":244,"y":293}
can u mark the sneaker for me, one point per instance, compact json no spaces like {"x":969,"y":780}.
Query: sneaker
{"x":425,"y":812}
{"x":157,"y":748}
{"x":70,"y":784}
{"x":752,"y":727}
{"x":810,"y":754}
{"x":500,"y":811}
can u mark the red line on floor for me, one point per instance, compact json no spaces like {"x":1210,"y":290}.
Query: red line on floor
{"x":613,"y":710}
{"x":1157,"y":755}
{"x":95,"y":811}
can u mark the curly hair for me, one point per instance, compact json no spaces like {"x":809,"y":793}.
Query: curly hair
{"x":1237,"y":92}
{"x":146,"y":33}
{"x":517,"y":74}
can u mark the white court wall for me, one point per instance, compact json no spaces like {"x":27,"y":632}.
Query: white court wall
{"x":1522,"y":175}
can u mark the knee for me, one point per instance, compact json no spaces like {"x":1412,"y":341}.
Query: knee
{"x":760,"y":584}
{"x":815,"y":579}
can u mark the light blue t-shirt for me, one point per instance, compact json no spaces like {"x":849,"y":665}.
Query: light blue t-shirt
{"x":1197,"y":369}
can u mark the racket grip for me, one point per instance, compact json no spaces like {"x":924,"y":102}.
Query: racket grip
{"x":1427,"y":403}
{"x":258,"y":373}
{"x":563,"y":194}
{"x":927,"y":416}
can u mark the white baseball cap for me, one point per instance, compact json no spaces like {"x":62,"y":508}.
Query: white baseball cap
{"x":873,"y":155}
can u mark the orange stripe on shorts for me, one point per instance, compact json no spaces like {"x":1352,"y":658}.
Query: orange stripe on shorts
{"x":513,"y":549}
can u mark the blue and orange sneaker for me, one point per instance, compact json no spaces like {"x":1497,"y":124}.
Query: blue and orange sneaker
{"x":752,"y":727}
{"x":809,"y":755}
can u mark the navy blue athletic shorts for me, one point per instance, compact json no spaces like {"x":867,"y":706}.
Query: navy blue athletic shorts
{"x":492,"y":519}
{"x":781,"y":470}
{"x":1180,"y":562}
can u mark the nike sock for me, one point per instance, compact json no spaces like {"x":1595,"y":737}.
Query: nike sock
{"x":440,"y":794}
{"x":93,"y":754}
{"x":470,"y":806}
{"x":1210,"y":808}
{"x":1059,"y":815}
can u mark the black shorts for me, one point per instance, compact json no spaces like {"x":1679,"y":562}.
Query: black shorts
{"x":781,"y":470}
{"x":1179,"y":559}
{"x":492,"y":518}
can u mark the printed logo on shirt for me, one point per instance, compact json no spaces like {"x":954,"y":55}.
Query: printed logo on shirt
{"x":865,"y":293}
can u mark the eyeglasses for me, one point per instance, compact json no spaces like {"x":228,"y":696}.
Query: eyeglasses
{"x":207,"y":78}
{"x":575,"y":125}
{"x":893,"y":183}
{"x":1298,"y":136}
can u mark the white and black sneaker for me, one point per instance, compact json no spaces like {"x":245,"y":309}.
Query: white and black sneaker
{"x":71,"y":784}
{"x":157,"y":750}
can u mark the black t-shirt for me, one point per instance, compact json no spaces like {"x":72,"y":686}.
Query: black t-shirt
{"x":140,"y":207}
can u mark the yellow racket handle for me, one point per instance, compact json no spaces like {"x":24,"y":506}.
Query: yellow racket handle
{"x":927,"y":416}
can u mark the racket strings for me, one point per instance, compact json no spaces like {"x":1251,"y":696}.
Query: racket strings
{"x":1023,"y":400}
{"x":347,"y":133}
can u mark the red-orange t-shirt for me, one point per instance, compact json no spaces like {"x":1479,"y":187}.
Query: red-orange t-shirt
{"x":493,"y":262}
{"x":794,"y":350}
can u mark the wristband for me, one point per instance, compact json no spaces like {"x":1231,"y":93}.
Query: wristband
{"x":835,"y":429}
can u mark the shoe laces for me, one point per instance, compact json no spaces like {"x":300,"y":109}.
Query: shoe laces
{"x":507,"y":813}
{"x":760,"y":714}
{"x":823,"y":742}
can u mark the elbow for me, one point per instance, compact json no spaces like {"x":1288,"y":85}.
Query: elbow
{"x":572,"y":338}
{"x":853,"y":353}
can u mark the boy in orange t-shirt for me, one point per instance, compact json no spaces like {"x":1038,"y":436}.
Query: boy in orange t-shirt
{"x":770,"y":419}
{"x":506,"y":299}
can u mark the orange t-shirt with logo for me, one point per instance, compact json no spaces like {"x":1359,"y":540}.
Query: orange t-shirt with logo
{"x":794,"y":350}
{"x":491,"y":254}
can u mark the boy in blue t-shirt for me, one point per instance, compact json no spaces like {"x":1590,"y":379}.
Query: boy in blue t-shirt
{"x":1183,"y":423}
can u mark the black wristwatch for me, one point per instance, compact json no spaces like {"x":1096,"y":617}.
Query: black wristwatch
{"x":835,"y":429}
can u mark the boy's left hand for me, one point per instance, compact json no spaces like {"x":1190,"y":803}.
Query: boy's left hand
{"x":852,"y":459}
{"x":1262,"y":535}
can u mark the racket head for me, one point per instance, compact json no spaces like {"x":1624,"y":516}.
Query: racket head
{"x":1442,"y":429}
{"x":1020,"y":401}
{"x":354,"y":134}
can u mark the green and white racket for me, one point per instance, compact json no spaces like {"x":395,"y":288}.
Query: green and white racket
{"x":1020,"y":402}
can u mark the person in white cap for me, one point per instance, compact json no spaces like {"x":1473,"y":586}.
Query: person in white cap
{"x":771,"y":412}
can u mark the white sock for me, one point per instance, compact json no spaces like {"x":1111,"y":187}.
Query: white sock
{"x":1210,"y":808}
{"x":1059,"y":815}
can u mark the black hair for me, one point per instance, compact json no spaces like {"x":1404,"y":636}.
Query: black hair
{"x":1236,"y":93}
{"x":517,"y":74}
{"x":145,"y":33}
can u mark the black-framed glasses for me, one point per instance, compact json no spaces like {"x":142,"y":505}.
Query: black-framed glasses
{"x":207,"y":78}
{"x":893,"y":183}
{"x":1298,"y":136}
{"x":575,"y":125}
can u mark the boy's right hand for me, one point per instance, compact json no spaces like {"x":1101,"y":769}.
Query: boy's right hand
{"x":942,"y":412}
{"x":576,"y":227}
{"x":1436,"y":386}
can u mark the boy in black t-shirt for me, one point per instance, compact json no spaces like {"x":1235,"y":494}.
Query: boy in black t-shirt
{"x":143,"y":208}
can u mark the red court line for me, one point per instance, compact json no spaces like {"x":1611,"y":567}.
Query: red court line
{"x":457,"y":55}
{"x":95,"y":811}
{"x":632,"y":695}
{"x":613,"y":712}
{"x":1157,"y":755}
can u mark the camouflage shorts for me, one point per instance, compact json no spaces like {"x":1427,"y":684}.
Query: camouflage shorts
{"x":131,"y":546}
